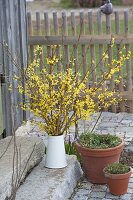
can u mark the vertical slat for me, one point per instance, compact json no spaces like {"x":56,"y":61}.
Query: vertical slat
{"x":108,"y":31}
{"x":92,"y":49}
{"x":23,"y":43}
{"x":39,"y":33}
{"x":75,"y":51}
{"x":1,"y":112}
{"x":75,"y":47}
{"x":1,"y":73}
{"x":90,"y":22}
{"x":65,"y":33}
{"x":101,"y":47}
{"x":47,"y":31}
{"x":17,"y":36}
{"x":38,"y":23}
{"x":118,"y":46}
{"x":8,"y":97}
{"x":83,"y":47}
{"x":13,"y":37}
{"x":30,"y":33}
{"x":56,"y":32}
{"x":128,"y":62}
{"x":46,"y":24}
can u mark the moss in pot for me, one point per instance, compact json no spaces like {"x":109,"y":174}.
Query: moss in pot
{"x":97,"y":151}
{"x":117,"y":175}
{"x":99,"y":141}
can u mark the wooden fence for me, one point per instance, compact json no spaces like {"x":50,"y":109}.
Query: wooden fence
{"x":87,"y":34}
{"x":13,"y":47}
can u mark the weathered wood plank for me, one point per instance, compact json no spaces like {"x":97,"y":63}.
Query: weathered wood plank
{"x":30,"y":33}
{"x":85,"y":39}
{"x":47,"y":32}
{"x":75,"y":47}
{"x":13,"y":50}
{"x":64,"y":34}
{"x":83,"y":46}
{"x":128,"y":62}
{"x":118,"y":47}
{"x":110,"y":54}
{"x":23,"y":49}
{"x":101,"y":46}
{"x":38,"y":23}
{"x":39,"y":32}
{"x":127,"y":95}
{"x":7,"y":96}
{"x":56,"y":32}
{"x":1,"y":111}
{"x":92,"y":49}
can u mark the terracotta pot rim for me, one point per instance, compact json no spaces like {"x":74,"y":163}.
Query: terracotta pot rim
{"x":101,"y":150}
{"x":117,"y":176}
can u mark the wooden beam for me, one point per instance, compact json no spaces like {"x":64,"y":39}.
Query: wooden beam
{"x":87,"y":39}
{"x":126,"y":95}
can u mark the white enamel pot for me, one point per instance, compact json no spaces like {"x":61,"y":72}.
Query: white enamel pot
{"x":55,"y":154}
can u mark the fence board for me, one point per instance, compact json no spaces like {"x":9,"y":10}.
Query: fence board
{"x":118,"y":48}
{"x":92,"y":49}
{"x":108,"y":31}
{"x":30,"y":33}
{"x":101,"y":47}
{"x":13,"y":52}
{"x":38,"y":25}
{"x":85,"y":39}
{"x":56,"y":32}
{"x":75,"y":47}
{"x":83,"y":46}
{"x":47,"y":32}
{"x":65,"y":33}
{"x":1,"y":112}
{"x":128,"y":62}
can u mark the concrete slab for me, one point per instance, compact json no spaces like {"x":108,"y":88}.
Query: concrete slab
{"x":51,"y":184}
{"x":27,"y":147}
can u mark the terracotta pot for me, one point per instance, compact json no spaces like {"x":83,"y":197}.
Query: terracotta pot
{"x":118,"y":183}
{"x":94,"y":160}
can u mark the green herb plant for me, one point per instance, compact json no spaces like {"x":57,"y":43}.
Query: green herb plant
{"x":97,"y":141}
{"x":117,"y":168}
{"x":70,"y":149}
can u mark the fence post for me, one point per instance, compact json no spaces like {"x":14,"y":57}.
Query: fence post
{"x":13,"y":58}
{"x":1,"y":112}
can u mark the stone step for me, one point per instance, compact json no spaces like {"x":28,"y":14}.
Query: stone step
{"x":51,"y":184}
{"x":27,"y":147}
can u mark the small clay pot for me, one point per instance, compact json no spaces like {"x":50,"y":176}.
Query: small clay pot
{"x":118,"y":183}
{"x":94,"y":161}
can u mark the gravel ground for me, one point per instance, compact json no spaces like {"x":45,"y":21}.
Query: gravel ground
{"x":127,"y":155}
{"x":127,"y":158}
